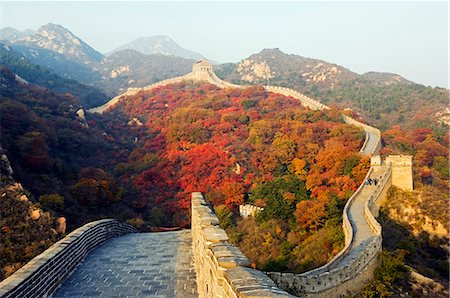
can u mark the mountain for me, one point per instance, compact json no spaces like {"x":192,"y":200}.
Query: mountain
{"x":8,"y":33}
{"x":60,"y":40}
{"x":24,"y":67}
{"x":271,"y":65}
{"x":384,"y":99}
{"x":159,"y":44}
{"x":129,"y":68}
{"x":55,"y":150}
{"x":55,"y":47}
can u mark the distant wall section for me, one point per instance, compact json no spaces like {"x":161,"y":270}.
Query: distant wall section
{"x":249,"y":210}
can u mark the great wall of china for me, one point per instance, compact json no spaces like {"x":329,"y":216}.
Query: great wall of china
{"x":221,"y":269}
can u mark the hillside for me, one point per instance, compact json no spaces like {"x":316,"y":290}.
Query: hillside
{"x":235,"y":145}
{"x":89,"y":96}
{"x":55,"y":151}
{"x":383,"y":99}
{"x":129,"y":68}
{"x":25,"y":229}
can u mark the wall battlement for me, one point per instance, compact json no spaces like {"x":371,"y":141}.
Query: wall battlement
{"x":222,"y":270}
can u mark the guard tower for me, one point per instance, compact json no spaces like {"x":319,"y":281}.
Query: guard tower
{"x":202,"y":70}
{"x":402,"y":173}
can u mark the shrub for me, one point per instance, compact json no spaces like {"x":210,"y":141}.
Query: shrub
{"x":53,"y":202}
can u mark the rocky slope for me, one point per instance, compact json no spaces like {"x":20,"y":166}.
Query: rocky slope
{"x":129,"y":68}
{"x":60,"y":40}
{"x":25,"y":229}
{"x":10,"y":34}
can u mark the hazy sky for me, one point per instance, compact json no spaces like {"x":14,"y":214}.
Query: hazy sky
{"x":408,"y":38}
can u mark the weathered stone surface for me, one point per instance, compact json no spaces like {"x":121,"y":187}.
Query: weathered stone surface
{"x":23,"y":198}
{"x":215,"y":257}
{"x":215,"y":234}
{"x":61,"y":225}
{"x":35,"y":214}
{"x":60,"y":259}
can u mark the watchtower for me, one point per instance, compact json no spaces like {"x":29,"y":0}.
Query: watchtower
{"x":402,"y":173}
{"x":202,"y":70}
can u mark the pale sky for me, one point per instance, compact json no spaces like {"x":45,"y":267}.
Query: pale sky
{"x":407,"y":38}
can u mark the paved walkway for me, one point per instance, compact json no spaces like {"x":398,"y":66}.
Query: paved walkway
{"x":136,"y":265}
{"x":363,"y":234}
{"x":372,"y":143}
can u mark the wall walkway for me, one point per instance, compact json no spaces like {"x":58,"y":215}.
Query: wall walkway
{"x":136,"y":265}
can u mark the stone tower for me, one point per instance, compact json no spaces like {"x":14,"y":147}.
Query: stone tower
{"x":402,"y":173}
{"x":202,"y":70}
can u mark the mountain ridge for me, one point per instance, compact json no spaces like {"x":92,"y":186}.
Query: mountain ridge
{"x":59,"y":39}
{"x":158,"y":44}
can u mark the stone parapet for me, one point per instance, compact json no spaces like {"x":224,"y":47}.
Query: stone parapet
{"x":222,"y":270}
{"x":43,"y":274}
{"x":305,"y":100}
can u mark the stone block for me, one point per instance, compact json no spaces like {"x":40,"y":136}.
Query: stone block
{"x":248,"y":282}
{"x":214,"y":234}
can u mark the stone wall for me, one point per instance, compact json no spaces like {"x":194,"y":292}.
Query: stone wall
{"x":132,"y":91}
{"x":334,"y":279}
{"x":305,"y":100}
{"x":222,"y":270}
{"x":371,"y":132}
{"x":43,"y":274}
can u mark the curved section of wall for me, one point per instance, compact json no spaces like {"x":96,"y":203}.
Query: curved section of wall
{"x":222,"y":270}
{"x":348,"y":271}
{"x":305,"y":100}
{"x":43,"y":274}
{"x":372,"y":144}
{"x":132,"y":91}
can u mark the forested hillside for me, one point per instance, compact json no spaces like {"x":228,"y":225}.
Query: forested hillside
{"x":236,"y":145}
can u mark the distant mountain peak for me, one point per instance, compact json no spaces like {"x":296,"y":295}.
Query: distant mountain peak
{"x":9,"y":33}
{"x":59,"y":39}
{"x":159,"y":44}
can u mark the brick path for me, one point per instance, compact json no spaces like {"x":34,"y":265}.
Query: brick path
{"x":136,"y":265}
